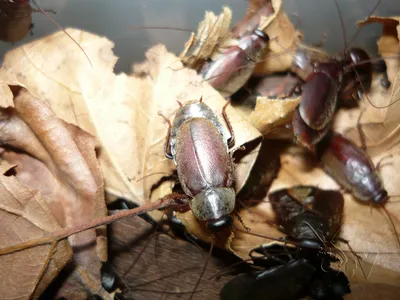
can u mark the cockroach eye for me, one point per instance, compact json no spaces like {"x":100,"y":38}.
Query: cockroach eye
{"x":381,"y":197}
{"x":218,"y":225}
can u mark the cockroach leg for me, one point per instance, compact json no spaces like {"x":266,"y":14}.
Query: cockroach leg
{"x":41,"y":11}
{"x":361,"y":132}
{"x":167,"y":145}
{"x":242,"y":222}
{"x":385,"y":82}
{"x":231,"y":140}
{"x":179,"y":103}
{"x":322,"y":42}
{"x":380,"y":163}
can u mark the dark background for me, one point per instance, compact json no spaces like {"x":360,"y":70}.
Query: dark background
{"x":112,"y":18}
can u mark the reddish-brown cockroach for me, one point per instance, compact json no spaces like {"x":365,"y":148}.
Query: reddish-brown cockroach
{"x":230,"y":72}
{"x":344,"y":78}
{"x":198,"y":144}
{"x":351,"y":167}
{"x":23,"y":11}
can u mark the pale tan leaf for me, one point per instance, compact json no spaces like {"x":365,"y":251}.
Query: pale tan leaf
{"x":211,"y":33}
{"x":271,"y":113}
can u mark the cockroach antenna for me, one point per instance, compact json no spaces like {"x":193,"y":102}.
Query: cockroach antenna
{"x":62,"y":29}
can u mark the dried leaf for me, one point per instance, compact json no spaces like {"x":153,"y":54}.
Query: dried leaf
{"x":26,"y":215}
{"x":211,"y":33}
{"x":56,"y":161}
{"x":271,"y":113}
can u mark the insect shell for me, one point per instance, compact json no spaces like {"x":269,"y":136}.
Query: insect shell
{"x":199,"y":148}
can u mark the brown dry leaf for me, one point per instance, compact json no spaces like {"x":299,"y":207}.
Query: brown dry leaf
{"x":25,"y":215}
{"x":211,"y":33}
{"x":284,"y":39}
{"x":56,"y":168}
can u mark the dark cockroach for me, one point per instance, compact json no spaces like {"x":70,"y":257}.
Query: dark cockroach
{"x":310,"y":217}
{"x":197,"y":143}
{"x":233,"y":69}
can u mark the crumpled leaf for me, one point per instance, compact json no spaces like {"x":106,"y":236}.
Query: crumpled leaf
{"x":26,"y":215}
{"x":212,"y":33}
{"x":56,"y":168}
{"x":271,"y":113}
{"x":381,"y":126}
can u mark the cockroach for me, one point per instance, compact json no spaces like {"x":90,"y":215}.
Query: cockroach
{"x":230,"y":72}
{"x":198,"y":144}
{"x":22,"y":11}
{"x":351,"y":167}
{"x":345,"y":77}
{"x":309,"y":216}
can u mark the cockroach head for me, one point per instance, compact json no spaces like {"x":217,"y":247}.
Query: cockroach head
{"x":214,"y":206}
{"x":381,"y":197}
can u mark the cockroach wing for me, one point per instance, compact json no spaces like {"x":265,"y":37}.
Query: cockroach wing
{"x":350,"y":166}
{"x":318,"y":101}
{"x":202,"y":157}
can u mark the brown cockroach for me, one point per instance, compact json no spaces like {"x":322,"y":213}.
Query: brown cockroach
{"x":197,"y":143}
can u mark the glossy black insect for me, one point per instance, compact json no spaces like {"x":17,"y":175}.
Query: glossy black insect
{"x":311,"y":218}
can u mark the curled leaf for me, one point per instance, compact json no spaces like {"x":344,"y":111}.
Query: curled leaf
{"x":211,"y":33}
{"x":56,"y":162}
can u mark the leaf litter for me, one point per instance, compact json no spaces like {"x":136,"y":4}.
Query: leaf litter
{"x":118,"y":114}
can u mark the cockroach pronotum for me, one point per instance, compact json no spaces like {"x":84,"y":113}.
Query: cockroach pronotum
{"x":198,"y":144}
{"x":311,"y":218}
